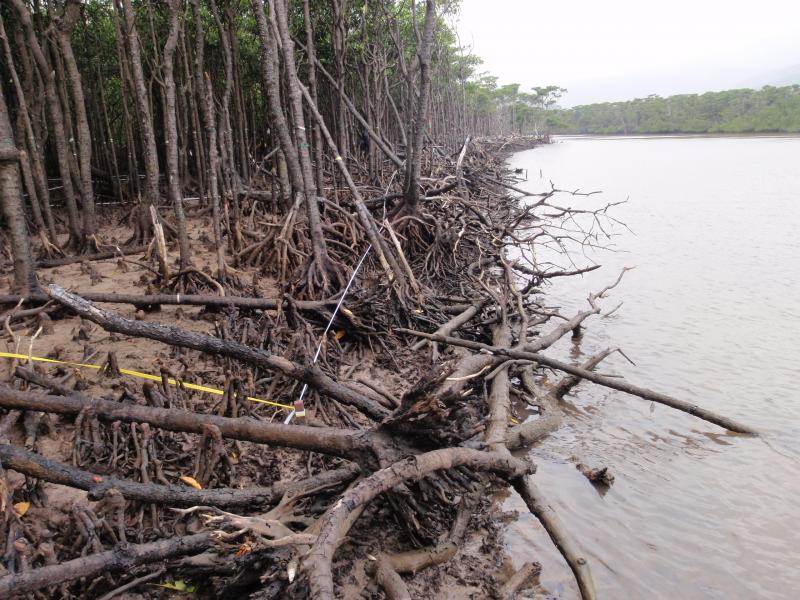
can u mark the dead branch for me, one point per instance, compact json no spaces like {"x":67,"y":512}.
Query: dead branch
{"x":122,"y":558}
{"x":533,"y":498}
{"x":519,"y":580}
{"x":616,"y":384}
{"x":351,"y":444}
{"x":317,"y":564}
{"x":310,"y":373}
{"x":34,"y":465}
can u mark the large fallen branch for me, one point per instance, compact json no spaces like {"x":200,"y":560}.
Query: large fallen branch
{"x":530,"y":493}
{"x":310,"y":373}
{"x":347,"y":443}
{"x":122,"y":557}
{"x":457,"y":321}
{"x":610,"y":382}
{"x":337,"y":522}
{"x":387,"y":567}
{"x":34,"y":465}
{"x":495,"y":436}
{"x":145,"y":300}
{"x":530,"y":432}
{"x":68,"y":260}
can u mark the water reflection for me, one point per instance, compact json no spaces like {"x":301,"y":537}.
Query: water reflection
{"x":711,"y":314}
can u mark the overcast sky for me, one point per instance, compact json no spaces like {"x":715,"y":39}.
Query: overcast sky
{"x":619,"y":49}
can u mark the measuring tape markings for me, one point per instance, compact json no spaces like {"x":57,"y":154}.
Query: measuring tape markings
{"x":140,"y":375}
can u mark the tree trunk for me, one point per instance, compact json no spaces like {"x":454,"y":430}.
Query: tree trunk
{"x":57,"y":119}
{"x":417,"y":134}
{"x":11,"y":197}
{"x":149,"y":150}
{"x":269,"y":73}
{"x":38,"y":189}
{"x":171,"y":134}
{"x":312,"y":88}
{"x":296,"y":102}
{"x":66,"y":24}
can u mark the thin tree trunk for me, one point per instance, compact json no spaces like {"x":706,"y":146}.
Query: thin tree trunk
{"x":11,"y":198}
{"x":213,"y":167}
{"x":238,"y":101}
{"x":171,"y":133}
{"x":193,"y":77}
{"x":57,"y":119}
{"x":296,"y":102}
{"x":225,"y":135}
{"x":66,"y":24}
{"x":149,"y":150}
{"x":269,"y":73}
{"x":125,"y":87}
{"x":340,"y":9}
{"x":414,"y":156}
{"x":40,"y":195}
{"x":312,"y":88}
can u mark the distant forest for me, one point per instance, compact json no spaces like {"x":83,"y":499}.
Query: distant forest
{"x":770,"y":109}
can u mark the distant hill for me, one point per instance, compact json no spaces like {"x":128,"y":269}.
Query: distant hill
{"x":770,"y":109}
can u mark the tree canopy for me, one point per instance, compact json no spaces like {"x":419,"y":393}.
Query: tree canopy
{"x":770,"y":109}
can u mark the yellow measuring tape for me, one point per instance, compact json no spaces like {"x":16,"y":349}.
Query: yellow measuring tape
{"x":140,"y":375}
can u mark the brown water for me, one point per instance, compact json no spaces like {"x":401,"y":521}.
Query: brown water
{"x":711,"y":314}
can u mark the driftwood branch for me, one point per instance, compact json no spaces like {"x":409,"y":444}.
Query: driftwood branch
{"x":609,"y":382}
{"x":532,"y":496}
{"x":145,"y":300}
{"x":122,"y":558}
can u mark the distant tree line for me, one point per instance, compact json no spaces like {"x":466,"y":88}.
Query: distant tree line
{"x":770,"y":109}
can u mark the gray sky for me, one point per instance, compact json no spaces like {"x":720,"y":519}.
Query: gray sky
{"x":620,"y":49}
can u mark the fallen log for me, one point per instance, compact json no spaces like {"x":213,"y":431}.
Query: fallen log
{"x":495,"y":436}
{"x":144,"y":300}
{"x":352,"y":444}
{"x":530,"y":432}
{"x":532,"y":497}
{"x":68,"y":260}
{"x":389,"y":580}
{"x":310,"y":374}
{"x":414,"y":561}
{"x":336,"y":523}
{"x":123,"y":557}
{"x":35,"y":465}
{"x":609,"y":382}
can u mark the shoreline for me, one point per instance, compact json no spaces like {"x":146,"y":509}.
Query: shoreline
{"x":611,"y":136}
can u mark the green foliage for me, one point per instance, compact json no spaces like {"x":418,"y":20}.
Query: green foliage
{"x":770,"y":109}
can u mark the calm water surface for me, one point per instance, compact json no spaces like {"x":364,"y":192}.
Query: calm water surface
{"x":711,"y":314}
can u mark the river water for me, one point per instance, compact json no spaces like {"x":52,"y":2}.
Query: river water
{"x":710,"y":314}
